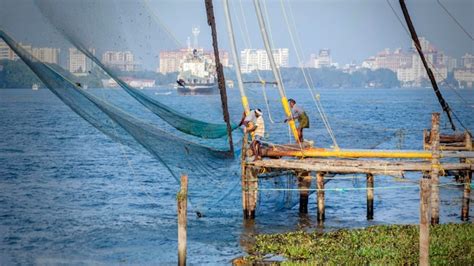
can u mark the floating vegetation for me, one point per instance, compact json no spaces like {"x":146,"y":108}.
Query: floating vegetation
{"x":380,"y":245}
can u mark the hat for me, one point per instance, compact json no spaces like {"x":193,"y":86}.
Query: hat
{"x":258,"y":111}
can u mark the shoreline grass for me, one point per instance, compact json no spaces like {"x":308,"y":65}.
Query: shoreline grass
{"x":385,"y":244}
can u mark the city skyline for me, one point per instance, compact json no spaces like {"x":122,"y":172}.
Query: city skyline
{"x":353,"y":30}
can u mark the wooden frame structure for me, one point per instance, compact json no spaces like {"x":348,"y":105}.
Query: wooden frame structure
{"x":442,"y":150}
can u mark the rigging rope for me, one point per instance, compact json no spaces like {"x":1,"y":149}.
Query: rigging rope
{"x":248,"y":43}
{"x":455,"y":20}
{"x":434,"y":67}
{"x":316,"y":98}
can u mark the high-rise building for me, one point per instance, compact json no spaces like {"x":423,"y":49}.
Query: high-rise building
{"x":253,"y":59}
{"x":124,"y":61}
{"x":47,"y":54}
{"x":79,"y":64}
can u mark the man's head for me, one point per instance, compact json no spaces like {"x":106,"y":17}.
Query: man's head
{"x":258,"y":112}
{"x":291,"y":102}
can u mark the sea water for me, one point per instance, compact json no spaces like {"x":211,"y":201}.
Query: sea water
{"x":70,"y":195}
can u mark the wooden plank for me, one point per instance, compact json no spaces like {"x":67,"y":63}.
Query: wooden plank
{"x":356,"y":166}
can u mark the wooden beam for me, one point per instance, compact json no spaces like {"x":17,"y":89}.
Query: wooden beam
{"x":356,"y":166}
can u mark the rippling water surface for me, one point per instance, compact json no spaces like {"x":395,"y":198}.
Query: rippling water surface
{"x":68,"y":194}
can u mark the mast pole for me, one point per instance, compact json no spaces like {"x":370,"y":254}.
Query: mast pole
{"x":220,"y":72}
{"x":415,"y":39}
{"x":276,"y":73}
{"x":233,"y":48}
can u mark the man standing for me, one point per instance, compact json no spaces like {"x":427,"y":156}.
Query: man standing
{"x":258,"y":129}
{"x":297,"y":113}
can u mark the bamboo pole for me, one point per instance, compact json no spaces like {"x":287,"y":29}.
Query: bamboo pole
{"x":276,"y":72}
{"x":424,"y":221}
{"x":466,"y":196}
{"x":304,"y":183}
{"x":435,"y":168}
{"x":320,"y":186}
{"x":370,"y":196}
{"x":182,"y":198}
{"x":233,"y":49}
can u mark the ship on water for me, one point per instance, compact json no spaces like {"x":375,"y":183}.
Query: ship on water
{"x":197,"y":75}
{"x":197,"y":71}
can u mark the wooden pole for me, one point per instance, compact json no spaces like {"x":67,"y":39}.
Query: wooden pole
{"x":370,"y":196}
{"x":220,"y":72}
{"x":252,"y":192}
{"x":182,"y":198}
{"x":435,"y":168}
{"x":243,"y":169}
{"x":320,"y":185}
{"x":466,"y":196}
{"x":424,"y":221}
{"x":304,"y":183}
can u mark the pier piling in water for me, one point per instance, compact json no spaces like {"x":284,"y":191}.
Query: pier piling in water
{"x":425,"y":187}
{"x":182,"y":198}
{"x":320,"y":186}
{"x":370,"y":196}
{"x":304,"y":184}
{"x":435,"y":168}
{"x":466,"y":195}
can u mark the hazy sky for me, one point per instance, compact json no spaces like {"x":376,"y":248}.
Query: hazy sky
{"x":353,"y":30}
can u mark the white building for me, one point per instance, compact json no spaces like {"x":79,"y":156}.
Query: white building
{"x":79,"y":64}
{"x":323,"y":59}
{"x":47,"y":54}
{"x":253,"y":59}
{"x":124,"y":61}
{"x":133,"y":82}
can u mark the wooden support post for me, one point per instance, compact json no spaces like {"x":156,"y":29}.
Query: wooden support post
{"x":466,"y":196}
{"x":243,"y":170}
{"x":320,"y":185}
{"x":435,"y":168}
{"x":370,"y":196}
{"x":252,"y":192}
{"x":304,"y":183}
{"x":182,"y":198}
{"x":424,"y":220}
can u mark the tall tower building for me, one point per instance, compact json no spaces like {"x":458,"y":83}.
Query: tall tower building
{"x":79,"y":64}
{"x":195,"y":32}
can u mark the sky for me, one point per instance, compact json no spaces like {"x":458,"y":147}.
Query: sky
{"x":353,"y":30}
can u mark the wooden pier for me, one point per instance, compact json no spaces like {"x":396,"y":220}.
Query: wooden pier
{"x":443,"y":155}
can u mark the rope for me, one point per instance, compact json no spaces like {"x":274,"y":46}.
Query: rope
{"x":455,"y":20}
{"x":316,"y":98}
{"x":248,"y":43}
{"x":435,"y":69}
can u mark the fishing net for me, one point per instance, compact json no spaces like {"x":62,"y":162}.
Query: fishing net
{"x":101,"y":25}
{"x":201,"y":163}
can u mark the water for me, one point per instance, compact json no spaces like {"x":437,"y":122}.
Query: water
{"x":68,"y":194}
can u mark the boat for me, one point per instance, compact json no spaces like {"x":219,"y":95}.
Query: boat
{"x":197,"y":75}
{"x":35,"y":87}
